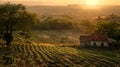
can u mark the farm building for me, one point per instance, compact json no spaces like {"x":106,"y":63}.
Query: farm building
{"x":85,"y":40}
{"x":96,"y":39}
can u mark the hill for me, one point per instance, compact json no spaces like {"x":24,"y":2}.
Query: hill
{"x":54,"y":37}
{"x":43,"y":49}
{"x":75,"y":11}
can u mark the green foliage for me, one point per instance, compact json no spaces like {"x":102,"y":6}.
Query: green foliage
{"x":1,"y":65}
{"x":12,"y":65}
{"x":109,"y":25}
{"x":29,"y":60}
{"x":55,"y":23}
{"x":9,"y":13}
{"x":26,"y":21}
{"x":15,"y":16}
{"x":8,"y":60}
{"x":22,"y":63}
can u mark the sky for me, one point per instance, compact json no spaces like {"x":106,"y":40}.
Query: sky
{"x":64,"y":2}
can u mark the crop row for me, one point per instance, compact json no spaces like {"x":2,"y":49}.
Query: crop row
{"x":60,"y":56}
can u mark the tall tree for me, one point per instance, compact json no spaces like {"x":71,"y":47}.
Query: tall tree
{"x":12,"y":16}
{"x":110,"y":25}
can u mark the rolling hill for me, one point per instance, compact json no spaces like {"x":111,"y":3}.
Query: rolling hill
{"x":75,"y":11}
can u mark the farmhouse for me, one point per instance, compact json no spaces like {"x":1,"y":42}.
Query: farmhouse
{"x":96,"y":39}
{"x":85,"y":40}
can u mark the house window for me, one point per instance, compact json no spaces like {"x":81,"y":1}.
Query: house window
{"x":94,"y":43}
{"x":102,"y":44}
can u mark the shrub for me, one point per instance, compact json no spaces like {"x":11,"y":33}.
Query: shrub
{"x":12,"y":65}
{"x":8,"y":60}
{"x":22,"y":63}
{"x":1,"y":66}
{"x":29,"y":60}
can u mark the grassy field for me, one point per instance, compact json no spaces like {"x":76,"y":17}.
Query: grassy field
{"x":45,"y":49}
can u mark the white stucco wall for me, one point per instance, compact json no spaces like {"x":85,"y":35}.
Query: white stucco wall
{"x":98,"y":43}
{"x":84,"y":44}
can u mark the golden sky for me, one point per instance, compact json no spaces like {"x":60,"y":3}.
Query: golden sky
{"x":64,"y":2}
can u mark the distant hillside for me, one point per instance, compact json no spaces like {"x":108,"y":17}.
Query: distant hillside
{"x":74,"y":11}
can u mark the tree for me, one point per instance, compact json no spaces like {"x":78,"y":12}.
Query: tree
{"x":110,"y":25}
{"x":26,"y":20}
{"x":87,"y":25}
{"x":14,"y":16}
{"x":56,"y":22}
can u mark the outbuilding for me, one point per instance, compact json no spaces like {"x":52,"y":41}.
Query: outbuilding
{"x":95,"y":39}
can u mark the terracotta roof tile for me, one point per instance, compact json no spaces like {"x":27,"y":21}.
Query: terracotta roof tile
{"x":94,"y":37}
{"x":84,"y":38}
{"x":99,"y":37}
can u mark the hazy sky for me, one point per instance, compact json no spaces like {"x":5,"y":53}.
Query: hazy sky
{"x":64,"y":2}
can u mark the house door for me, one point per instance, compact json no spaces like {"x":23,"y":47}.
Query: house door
{"x":94,"y":44}
{"x":102,"y":44}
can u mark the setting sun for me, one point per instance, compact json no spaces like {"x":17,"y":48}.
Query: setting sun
{"x":92,"y":2}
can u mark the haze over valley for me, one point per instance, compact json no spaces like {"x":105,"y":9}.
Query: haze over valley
{"x":76,"y":11}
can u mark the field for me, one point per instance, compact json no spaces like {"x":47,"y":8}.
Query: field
{"x":52,"y":37}
{"x":29,"y":55}
{"x":32,"y":53}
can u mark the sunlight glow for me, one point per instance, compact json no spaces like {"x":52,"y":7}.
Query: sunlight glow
{"x":64,"y":2}
{"x":92,"y":2}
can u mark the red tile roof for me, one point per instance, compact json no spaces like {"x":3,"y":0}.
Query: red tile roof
{"x":84,"y":38}
{"x":94,"y":37}
{"x":99,"y":37}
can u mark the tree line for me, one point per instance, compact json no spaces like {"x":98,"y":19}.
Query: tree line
{"x":54,"y":23}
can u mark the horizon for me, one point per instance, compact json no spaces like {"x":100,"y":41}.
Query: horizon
{"x":63,"y":2}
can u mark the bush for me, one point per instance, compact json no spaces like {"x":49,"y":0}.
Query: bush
{"x":22,"y":63}
{"x":12,"y":65}
{"x":8,"y":60}
{"x":1,"y":66}
{"x":54,"y":23}
{"x":29,"y":60}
